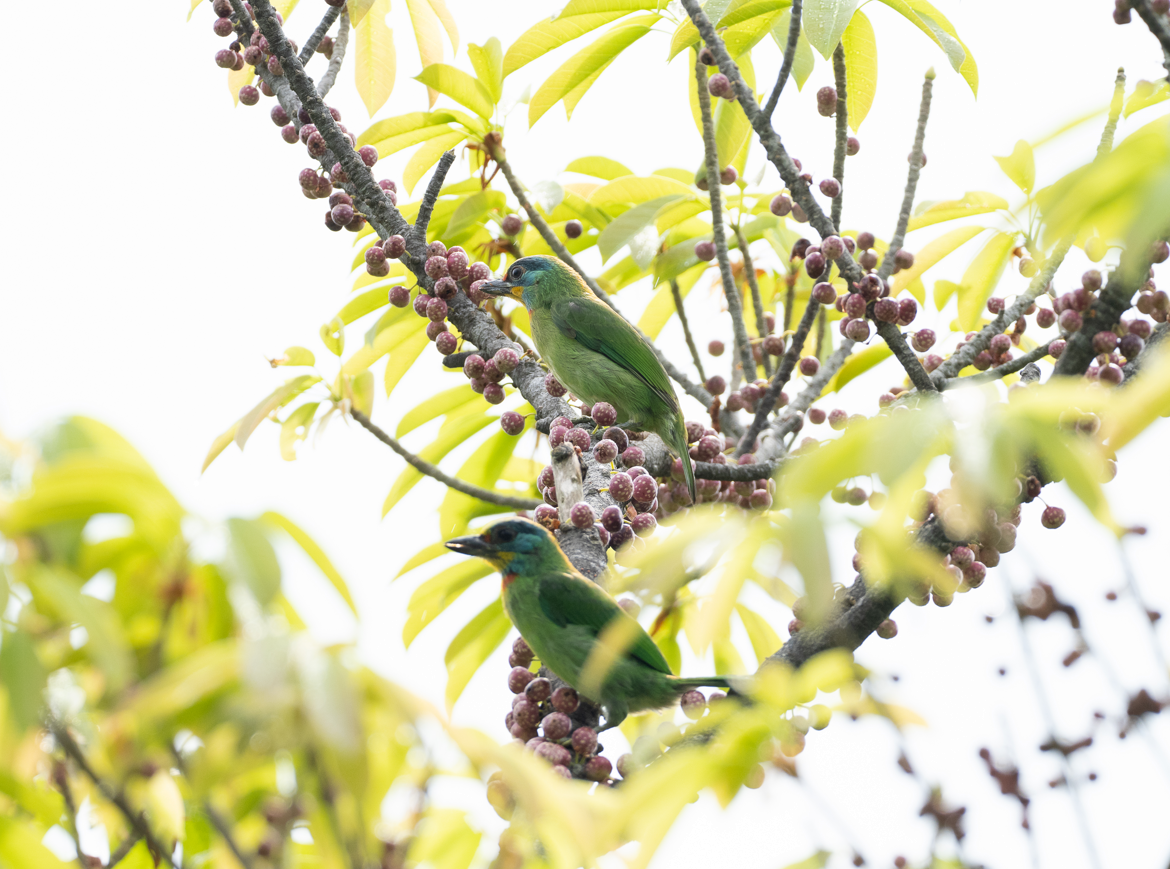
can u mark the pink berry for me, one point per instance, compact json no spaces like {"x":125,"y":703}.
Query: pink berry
{"x":553,"y":387}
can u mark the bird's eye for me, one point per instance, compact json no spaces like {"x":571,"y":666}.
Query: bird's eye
{"x":516,"y":273}
{"x":505,"y":535}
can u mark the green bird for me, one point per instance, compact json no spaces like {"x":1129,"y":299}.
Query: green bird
{"x":562,"y":616}
{"x":595,"y":353}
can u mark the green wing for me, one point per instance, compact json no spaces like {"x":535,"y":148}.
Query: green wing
{"x":570,"y":600}
{"x":595,"y":326}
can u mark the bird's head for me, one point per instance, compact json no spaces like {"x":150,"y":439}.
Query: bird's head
{"x":528,"y":278}
{"x":514,"y":545}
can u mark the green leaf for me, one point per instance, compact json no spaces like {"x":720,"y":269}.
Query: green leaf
{"x":428,"y":34}
{"x":454,"y":433}
{"x":164,"y":807}
{"x":1020,"y":166}
{"x":633,"y":190}
{"x":297,"y":356}
{"x":471,"y":647}
{"x":23,"y":678}
{"x":472,"y":210}
{"x":296,"y":428}
{"x":661,"y":307}
{"x":803,"y":63}
{"x":931,"y":253}
{"x":626,"y":227}
{"x":437,"y":405}
{"x":375,"y":62}
{"x":315,"y":552}
{"x":333,"y":336}
{"x":764,"y":639}
{"x":428,"y":155}
{"x":861,"y":68}
{"x":21,"y":848}
{"x":599,"y":167}
{"x":575,"y":20}
{"x":444,"y":840}
{"x":278,"y":398}
{"x":394,"y":134}
{"x":981,"y":277}
{"x":402,"y":357}
{"x":107,"y":644}
{"x":488,"y":62}
{"x":1080,"y":463}
{"x":459,"y":86}
{"x":252,"y":560}
{"x":935,"y":25}
{"x":586,"y":62}
{"x":824,"y":21}
{"x":943,"y":290}
{"x":1146,"y":94}
{"x":686,"y":34}
{"x":431,"y":598}
{"x":397,"y":331}
{"x":972,"y":203}
{"x":856,"y":365}
{"x":185,"y":683}
{"x":220,"y":444}
{"x":482,"y":468}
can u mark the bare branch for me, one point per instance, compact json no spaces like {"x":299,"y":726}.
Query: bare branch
{"x":425,"y":467}
{"x":338,"y":57}
{"x":682,"y":318}
{"x":1158,"y":25}
{"x":730,"y":290}
{"x":427,"y":206}
{"x":1001,"y":371}
{"x":749,"y":271}
{"x":916,"y":163}
{"x":1115,"y":107}
{"x":791,"y":419}
{"x":317,"y":35}
{"x":789,"y":58}
{"x":136,"y":820}
{"x":842,"y":132}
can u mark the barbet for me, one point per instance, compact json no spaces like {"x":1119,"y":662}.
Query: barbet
{"x":565,"y":618}
{"x":594,"y":352}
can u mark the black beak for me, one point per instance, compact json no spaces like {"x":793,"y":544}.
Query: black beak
{"x":500,"y":288}
{"x":473,"y":545}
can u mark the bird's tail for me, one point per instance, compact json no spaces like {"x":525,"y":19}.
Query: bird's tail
{"x":737,"y":684}
{"x":678,"y":441}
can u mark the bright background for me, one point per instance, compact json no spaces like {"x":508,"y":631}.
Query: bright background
{"x":189,"y":255}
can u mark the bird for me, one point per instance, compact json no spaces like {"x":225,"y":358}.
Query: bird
{"x":563,"y":616}
{"x":594,"y":352}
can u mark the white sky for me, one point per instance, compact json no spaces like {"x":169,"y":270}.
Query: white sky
{"x":157,"y":248}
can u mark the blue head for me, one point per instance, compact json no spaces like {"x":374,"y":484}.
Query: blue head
{"x":515,"y":546}
{"x":536,"y":279}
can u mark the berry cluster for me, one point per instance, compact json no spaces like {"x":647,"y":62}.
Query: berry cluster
{"x":540,"y":721}
{"x":256,"y":54}
{"x":486,"y":376}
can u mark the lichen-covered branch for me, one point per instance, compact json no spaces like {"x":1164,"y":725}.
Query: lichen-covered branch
{"x":1159,"y":26}
{"x":425,"y":467}
{"x":749,"y":271}
{"x":916,"y":163}
{"x":686,"y":327}
{"x":842,"y":132}
{"x":730,"y":290}
{"x":1000,"y":371}
{"x":427,"y":207}
{"x":337,"y":59}
{"x":789,"y":58}
{"x":317,"y":35}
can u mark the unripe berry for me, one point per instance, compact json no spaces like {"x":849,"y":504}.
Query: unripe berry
{"x":852,"y":146}
{"x":719,"y":85}
{"x":584,"y":740}
{"x":513,"y":423}
{"x":827,"y":101}
{"x":781,"y":205}
{"x":705,"y":250}
{"x":830,"y":187}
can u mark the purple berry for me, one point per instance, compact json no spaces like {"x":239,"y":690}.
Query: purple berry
{"x":643,"y":524}
{"x":512,"y":422}
{"x":827,"y":101}
{"x":1052,"y":517}
{"x":604,"y":414}
{"x":598,"y":769}
{"x":781,"y":205}
{"x":611,"y":519}
{"x":512,"y":224}
{"x":618,"y":436}
{"x":553,"y":387}
{"x":832,"y":247}
{"x":885,"y":310}
{"x":693,"y":703}
{"x":436,"y":310}
{"x":446,"y":343}
{"x":582,"y":516}
{"x":814,"y":264}
{"x":705,"y":250}
{"x":719,"y":85}
{"x":579,"y":438}
{"x":831,"y":187}
{"x":573,"y":229}
{"x":518,"y":679}
{"x":436,"y":267}
{"x":556,"y":725}
{"x":728,"y":175}
{"x":621,"y":487}
{"x":633,"y":455}
{"x":907,"y":311}
{"x":342,"y":214}
{"x":395,"y":246}
{"x":289,"y":133}
{"x":1070,"y":320}
{"x":584,"y":739}
{"x":605,"y":451}
{"x":645,"y":489}
{"x":538,"y":690}
{"x":494,"y":393}
{"x":857,"y":330}
{"x":565,"y":700}
{"x":852,"y":146}
{"x":400,"y":298}
{"x":923,"y":340}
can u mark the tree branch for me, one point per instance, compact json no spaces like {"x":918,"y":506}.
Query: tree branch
{"x":337,"y":58}
{"x":799,"y":189}
{"x":427,"y":206}
{"x":682,"y":318}
{"x":749,"y":271}
{"x":61,"y":780}
{"x":730,"y":290}
{"x":842,"y":139}
{"x":1115,"y":107}
{"x":317,"y":35}
{"x":789,"y":59}
{"x":425,"y":467}
{"x":773,"y":447}
{"x":136,"y":820}
{"x":1158,"y":26}
{"x":119,"y":855}
{"x":916,"y":163}
{"x":1113,"y":301}
{"x":992,"y":374}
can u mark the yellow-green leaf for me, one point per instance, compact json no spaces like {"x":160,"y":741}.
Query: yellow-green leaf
{"x":459,"y":86}
{"x":428,"y":155}
{"x":472,"y":646}
{"x":803,"y":63}
{"x":220,"y":444}
{"x":972,"y":203}
{"x":981,"y":277}
{"x":931,"y":253}
{"x":763,"y":637}
{"x":824,"y":21}
{"x":943,"y":290}
{"x":432,"y":597}
{"x":599,"y":167}
{"x":375,"y":62}
{"x":444,"y":840}
{"x":450,"y":436}
{"x":164,"y":807}
{"x":278,"y":398}
{"x":1020,"y":166}
{"x":633,"y":189}
{"x":856,"y":365}
{"x":575,"y":20}
{"x":315,"y":552}
{"x":296,"y":428}
{"x":427,"y":34}
{"x":488,"y":62}
{"x":1142,"y":402}
{"x":935,"y":25}
{"x":21,"y":848}
{"x":1146,"y":94}
{"x":402,"y":358}
{"x":860,"y":67}
{"x":437,"y":405}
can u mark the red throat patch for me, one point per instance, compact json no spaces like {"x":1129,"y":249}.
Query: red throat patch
{"x":509,"y":578}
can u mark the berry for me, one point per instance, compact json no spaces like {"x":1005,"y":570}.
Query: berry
{"x":538,"y":690}
{"x":446,"y":343}
{"x":865,"y":240}
{"x":621,"y":487}
{"x":611,"y":519}
{"x":375,"y":256}
{"x":1070,"y":320}
{"x":692,"y":704}
{"x":827,"y":101}
{"x":1130,"y":346}
{"x":1052,"y":517}
{"x":715,"y":348}
{"x":457,"y":264}
{"x":289,"y":134}
{"x":852,"y":146}
{"x":506,"y":360}
{"x":995,"y":304}
{"x":643,"y":524}
{"x":342,"y":214}
{"x":512,"y":422}
{"x":1111,"y":374}
{"x":809,"y":365}
{"x":324,"y":187}
{"x":556,"y":435}
{"x":645,"y":489}
{"x":719,"y":85}
{"x":1161,"y":250}
{"x":446,"y":288}
{"x":308,"y":179}
{"x":564,"y":699}
{"x":473,"y":365}
{"x":814,"y":264}
{"x":518,"y":679}
{"x":598,"y":769}
{"x":618,"y":436}
{"x":975,"y":573}
{"x":584,"y":739}
{"x":832,"y":247}
{"x":274,"y":66}
{"x":553,"y":387}
{"x":885,"y":310}
{"x":369,"y":154}
{"x":773,"y":345}
{"x":816,"y":415}
{"x":436,"y":310}
{"x":1028,"y":267}
{"x":400,"y":298}
{"x":854,"y":305}
{"x":605,"y":451}
{"x":545,"y":515}
{"x":1045,"y":318}
{"x":903,"y":259}
{"x":222,"y":8}
{"x":436,"y":267}
{"x":857,"y":330}
{"x":781,"y":205}
{"x":1055,"y":348}
{"x":1104,"y":342}
{"x":573,"y":229}
{"x":556,"y":725}
{"x":579,"y":438}
{"x":511,"y":225}
{"x":225,"y":58}
{"x":705,"y":250}
{"x":923,"y":340}
{"x":557,"y":755}
{"x":999,"y":345}
{"x":888,"y":629}
{"x":435,"y":329}
{"x":831,"y":187}
{"x":868,"y":260}
{"x":604,"y":414}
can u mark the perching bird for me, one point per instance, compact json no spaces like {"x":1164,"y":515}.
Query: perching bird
{"x":595,"y":353}
{"x":561,"y":615}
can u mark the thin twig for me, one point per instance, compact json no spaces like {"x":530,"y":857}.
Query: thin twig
{"x":337,"y":58}
{"x":327,"y":792}
{"x":136,"y":819}
{"x":695,"y":390}
{"x":749,"y":271}
{"x":1115,"y":107}
{"x":789,"y":59}
{"x":682,"y":318}
{"x":799,"y":189}
{"x":217,"y":820}
{"x":1158,"y":26}
{"x":998,"y":373}
{"x":61,"y":780}
{"x":772,"y":447}
{"x":788,"y":361}
{"x":916,"y":163}
{"x":730,"y":290}
{"x":317,"y":35}
{"x":427,"y":206}
{"x":842,"y":139}
{"x":425,"y":467}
